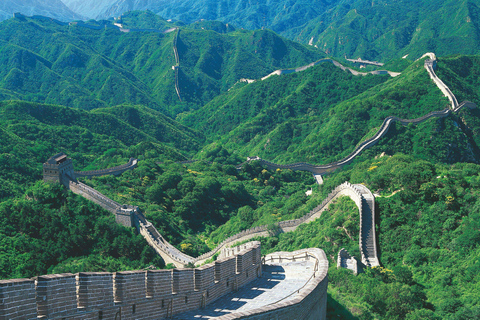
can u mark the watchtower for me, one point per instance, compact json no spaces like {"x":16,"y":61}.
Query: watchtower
{"x":59,"y":169}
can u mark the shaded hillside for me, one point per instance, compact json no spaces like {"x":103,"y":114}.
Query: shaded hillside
{"x":379,"y":30}
{"x":278,"y":99}
{"x":50,"y":230}
{"x":32,"y":132}
{"x":386,"y":29}
{"x":211,"y":63}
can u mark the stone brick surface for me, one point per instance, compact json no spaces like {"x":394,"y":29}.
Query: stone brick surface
{"x":17,"y":299}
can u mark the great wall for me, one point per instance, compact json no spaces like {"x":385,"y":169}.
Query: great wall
{"x":159,"y":294}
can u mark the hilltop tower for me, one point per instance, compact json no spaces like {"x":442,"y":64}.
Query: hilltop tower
{"x":58,"y":169}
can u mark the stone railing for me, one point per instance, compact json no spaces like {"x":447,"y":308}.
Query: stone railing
{"x":310,"y":301}
{"x":131,"y":164}
{"x":148,"y":295}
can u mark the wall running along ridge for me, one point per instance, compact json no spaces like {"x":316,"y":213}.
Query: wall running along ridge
{"x":177,"y":63}
{"x":367,"y":230}
{"x":150,"y":294}
{"x":327,"y":168}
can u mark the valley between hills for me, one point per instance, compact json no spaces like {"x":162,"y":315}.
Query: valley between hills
{"x":190,"y":102}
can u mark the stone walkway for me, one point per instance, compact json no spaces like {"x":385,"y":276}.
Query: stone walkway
{"x":279,"y":281}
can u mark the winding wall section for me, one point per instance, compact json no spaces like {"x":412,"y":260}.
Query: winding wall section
{"x":336,"y":64}
{"x":177,"y":64}
{"x":327,"y":168}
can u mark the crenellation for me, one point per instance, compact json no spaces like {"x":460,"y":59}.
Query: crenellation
{"x":204,"y":276}
{"x":129,"y":286}
{"x":94,"y":290}
{"x":158,"y":283}
{"x":56,"y":295}
{"x":182,"y":281}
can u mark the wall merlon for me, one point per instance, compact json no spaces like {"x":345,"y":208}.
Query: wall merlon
{"x":94,"y":290}
{"x":56,"y":294}
{"x":159,"y":283}
{"x":129,"y":286}
{"x":17,"y":299}
{"x":182,"y":280}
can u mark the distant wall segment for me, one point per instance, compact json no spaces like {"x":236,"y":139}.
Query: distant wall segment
{"x":131,"y":164}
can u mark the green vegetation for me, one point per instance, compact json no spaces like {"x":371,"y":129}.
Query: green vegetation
{"x":31,"y":133}
{"x":50,"y":230}
{"x":379,"y":30}
{"x":112,"y":97}
{"x":314,"y":121}
{"x":387,"y":29}
{"x":188,"y":203}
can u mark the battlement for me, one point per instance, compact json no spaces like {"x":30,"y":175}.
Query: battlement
{"x":150,"y":294}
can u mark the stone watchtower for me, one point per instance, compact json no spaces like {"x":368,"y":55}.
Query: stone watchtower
{"x":58,"y":169}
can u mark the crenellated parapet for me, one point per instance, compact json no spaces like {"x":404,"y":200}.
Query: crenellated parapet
{"x":150,"y":294}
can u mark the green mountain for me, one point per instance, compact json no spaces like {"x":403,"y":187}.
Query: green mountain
{"x":383,"y":30}
{"x":32,"y":132}
{"x":379,"y":30}
{"x":96,"y":65}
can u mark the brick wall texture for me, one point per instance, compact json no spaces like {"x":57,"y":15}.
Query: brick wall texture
{"x":151,"y":294}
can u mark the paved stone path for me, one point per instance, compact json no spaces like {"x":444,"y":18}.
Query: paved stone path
{"x":279,"y":281}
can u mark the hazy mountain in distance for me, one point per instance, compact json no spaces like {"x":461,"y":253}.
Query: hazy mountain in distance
{"x":50,"y":8}
{"x":278,"y":15}
{"x":374,"y":30}
{"x":90,"y":9}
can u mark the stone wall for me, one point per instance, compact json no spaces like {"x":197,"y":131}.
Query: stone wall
{"x":151,"y":294}
{"x":345,"y":260}
{"x":311,"y":301}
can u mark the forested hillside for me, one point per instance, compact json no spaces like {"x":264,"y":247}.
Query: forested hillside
{"x":429,"y":236}
{"x":31,"y":133}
